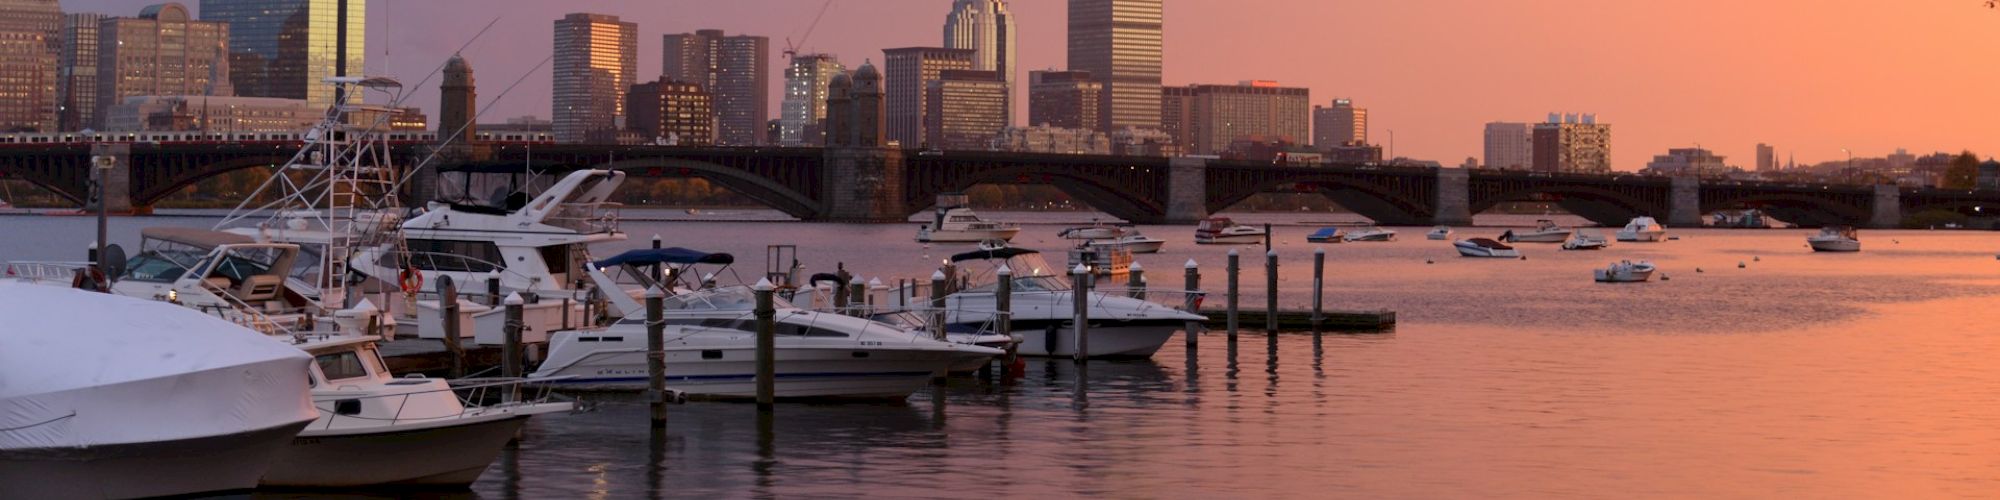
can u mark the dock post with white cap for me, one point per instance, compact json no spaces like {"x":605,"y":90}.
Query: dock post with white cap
{"x":1193,"y":302}
{"x":1135,"y":281}
{"x":1081,"y":276}
{"x":937,"y":316}
{"x":767,"y":346}
{"x":510,"y":351}
{"x":656,"y":355}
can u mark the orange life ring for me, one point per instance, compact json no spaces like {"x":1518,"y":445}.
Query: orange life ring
{"x":412,"y":280}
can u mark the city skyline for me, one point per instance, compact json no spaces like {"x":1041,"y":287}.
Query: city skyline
{"x":1814,"y":88}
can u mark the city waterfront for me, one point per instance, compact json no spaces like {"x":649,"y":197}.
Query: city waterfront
{"x":1796,"y":375}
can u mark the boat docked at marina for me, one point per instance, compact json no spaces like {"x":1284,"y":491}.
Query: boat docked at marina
{"x":1586,"y":239}
{"x":1484,"y":247}
{"x":1369,"y":233}
{"x":1329,"y":234}
{"x":107,"y":396}
{"x":1643,"y":228}
{"x":1545,"y":231}
{"x":1439,"y":233}
{"x":1042,"y":308}
{"x":1223,"y":231}
{"x":1835,"y":239}
{"x":1625,"y":272}
{"x":954,"y":222}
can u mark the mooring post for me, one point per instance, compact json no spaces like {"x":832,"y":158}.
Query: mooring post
{"x":1319,"y":286}
{"x":876,"y":292}
{"x":1271,"y":291}
{"x":656,"y":355}
{"x":767,"y":347}
{"x":937,"y":315}
{"x":493,"y":288}
{"x":510,"y":352}
{"x":1081,"y":276}
{"x":1235,"y":270}
{"x":857,"y":298}
{"x":1135,"y":281}
{"x":653,"y":272}
{"x":1193,"y":302}
{"x":1003,"y":312}
{"x":453,"y":342}
{"x":1267,"y":237}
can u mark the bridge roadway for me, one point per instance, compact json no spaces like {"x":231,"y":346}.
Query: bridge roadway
{"x":887,"y":185}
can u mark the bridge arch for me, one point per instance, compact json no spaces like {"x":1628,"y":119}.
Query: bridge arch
{"x":1387,"y":198}
{"x":756,"y":187}
{"x":149,"y":189}
{"x":1603,"y":206}
{"x":1102,"y":192}
{"x":1798,"y":208}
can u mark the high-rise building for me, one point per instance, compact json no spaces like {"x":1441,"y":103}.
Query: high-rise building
{"x":1510,"y":145}
{"x":30,"y":43}
{"x":1177,"y":115}
{"x":735,"y":69}
{"x":160,"y":53}
{"x":1119,"y":43}
{"x":596,"y":58}
{"x":1260,"y":110}
{"x":458,"y":103}
{"x":964,"y":110}
{"x":802,"y":118}
{"x":1767,"y":157}
{"x":216,"y":114}
{"x":985,"y":27}
{"x":1339,"y":124}
{"x":288,"y":48}
{"x":1569,"y":144}
{"x":1063,"y":99}
{"x":1047,"y":139}
{"x":76,"y":73}
{"x":910,"y":71}
{"x":854,"y":109}
{"x":672,"y":112}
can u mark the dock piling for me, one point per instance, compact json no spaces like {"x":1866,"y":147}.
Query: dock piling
{"x":1136,"y":281}
{"x":1235,"y":270}
{"x":767,"y":347}
{"x":453,"y":341}
{"x":656,"y":355}
{"x":1271,"y":291}
{"x":1319,"y":286}
{"x":1003,"y":308}
{"x":510,"y":351}
{"x":937,"y":315}
{"x":493,"y":288}
{"x":1193,"y":302}
{"x":857,"y":298}
{"x":1082,"y":277}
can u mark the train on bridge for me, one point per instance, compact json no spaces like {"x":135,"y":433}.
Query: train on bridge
{"x":398,"y":137}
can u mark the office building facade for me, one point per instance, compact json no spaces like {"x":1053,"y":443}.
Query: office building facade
{"x":909,"y":72}
{"x":288,"y":48}
{"x":802,"y":115}
{"x":1573,"y":145}
{"x":1220,"y":115}
{"x":30,"y":43}
{"x":1510,"y":145}
{"x":596,"y":59}
{"x":76,"y":73}
{"x":1767,"y":157}
{"x":672,"y":113}
{"x":1339,"y":124}
{"x":985,"y":27}
{"x":1063,"y":99}
{"x":1120,"y":43}
{"x":735,"y":69}
{"x":163,"y":52}
{"x":964,"y":110}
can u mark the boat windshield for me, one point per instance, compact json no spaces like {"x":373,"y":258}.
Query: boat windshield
{"x":734,"y":298}
{"x":1031,"y":273}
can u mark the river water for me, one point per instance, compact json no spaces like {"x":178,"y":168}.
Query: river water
{"x":1797,"y":375}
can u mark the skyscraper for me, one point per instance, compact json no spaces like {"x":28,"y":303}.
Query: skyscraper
{"x":1258,"y":109}
{"x":76,"y":73}
{"x":1339,"y":125}
{"x":1510,"y":145}
{"x":1066,"y":99}
{"x":679,"y":113}
{"x":288,"y":48}
{"x":30,"y":40}
{"x":802,"y":115}
{"x":988,"y":29}
{"x":736,"y":70}
{"x":1119,"y":43}
{"x":910,"y":72}
{"x":1569,"y":144}
{"x":964,"y":109}
{"x":596,"y":58}
{"x":1767,"y":157}
{"x":160,"y":53}
{"x":458,"y":103}
{"x":1176,"y":115}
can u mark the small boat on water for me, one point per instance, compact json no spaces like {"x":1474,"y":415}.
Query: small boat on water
{"x":1625,"y":272}
{"x":1643,"y":228}
{"x":1484,"y":247}
{"x":1439,"y":233}
{"x":1042,"y":302}
{"x":108,"y":396}
{"x":1545,"y":231}
{"x":1137,"y":243}
{"x":1126,"y":237}
{"x":1222,"y":231}
{"x":1586,"y":239}
{"x":1835,"y":239}
{"x":953,"y":222}
{"x":1326,"y":235}
{"x":1369,"y":233}
{"x":1095,"y":231}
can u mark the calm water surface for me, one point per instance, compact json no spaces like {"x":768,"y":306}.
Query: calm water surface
{"x":1825,"y":376}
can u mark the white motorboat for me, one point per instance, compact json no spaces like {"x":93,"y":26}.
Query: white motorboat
{"x":1545,"y":231}
{"x":1222,"y":231}
{"x":1586,"y":239}
{"x":1484,"y":247}
{"x":1043,"y":307}
{"x":711,"y":350}
{"x":1126,"y":237}
{"x":1369,"y":233}
{"x":1136,"y":243}
{"x":535,"y":244}
{"x":1835,"y":239}
{"x":232,"y":277}
{"x":1625,"y":272}
{"x":1643,"y":228}
{"x":375,"y":429}
{"x":117,"y":397}
{"x":1439,"y":233}
{"x":956,"y":223}
{"x":1095,"y":231}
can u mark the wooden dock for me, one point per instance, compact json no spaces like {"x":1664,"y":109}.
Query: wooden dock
{"x":1338,"y":321}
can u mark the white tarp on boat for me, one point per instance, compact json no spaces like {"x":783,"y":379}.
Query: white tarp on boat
{"x":82,"y":369}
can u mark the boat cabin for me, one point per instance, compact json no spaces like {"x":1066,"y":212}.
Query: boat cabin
{"x":212,"y":270}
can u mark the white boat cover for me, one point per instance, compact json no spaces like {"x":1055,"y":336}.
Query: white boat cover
{"x":81,"y":369}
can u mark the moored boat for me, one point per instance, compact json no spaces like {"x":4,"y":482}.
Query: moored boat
{"x":1835,"y":239}
{"x":1223,"y":231}
{"x":1439,"y":233}
{"x":1484,"y":247}
{"x":1369,"y":233}
{"x":1327,"y":234}
{"x":1643,"y":228}
{"x":1586,"y":239}
{"x":1545,"y":231}
{"x":1625,"y":272}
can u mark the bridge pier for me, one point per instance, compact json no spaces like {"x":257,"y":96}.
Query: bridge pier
{"x":1187,"y":190}
{"x":1684,"y":207}
{"x":117,"y":181}
{"x":862,"y":184}
{"x":1887,"y":208}
{"x":1453,"y":206}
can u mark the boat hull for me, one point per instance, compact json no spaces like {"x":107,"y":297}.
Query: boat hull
{"x":1152,"y":246}
{"x":1108,"y":340}
{"x":451,"y":456}
{"x":1438,"y":236}
{"x":842,"y":373}
{"x":1372,"y":237}
{"x":1464,"y":251}
{"x":1607,"y":276}
{"x":1539,"y":237}
{"x":180,"y":467}
{"x":967,"y":236}
{"x":1647,"y":236}
{"x":1232,"y":239}
{"x":1834,"y":245}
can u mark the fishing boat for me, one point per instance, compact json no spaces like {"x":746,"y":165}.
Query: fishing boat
{"x":1043,"y":306}
{"x":1369,"y":233}
{"x":1586,"y":239}
{"x":1223,"y":231}
{"x":1835,"y":239}
{"x":1545,"y":231}
{"x":1439,"y":233}
{"x":1625,"y":272}
{"x":108,"y":396}
{"x":1484,"y":247}
{"x":954,"y":222}
{"x":1643,"y":228}
{"x":1327,"y":234}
